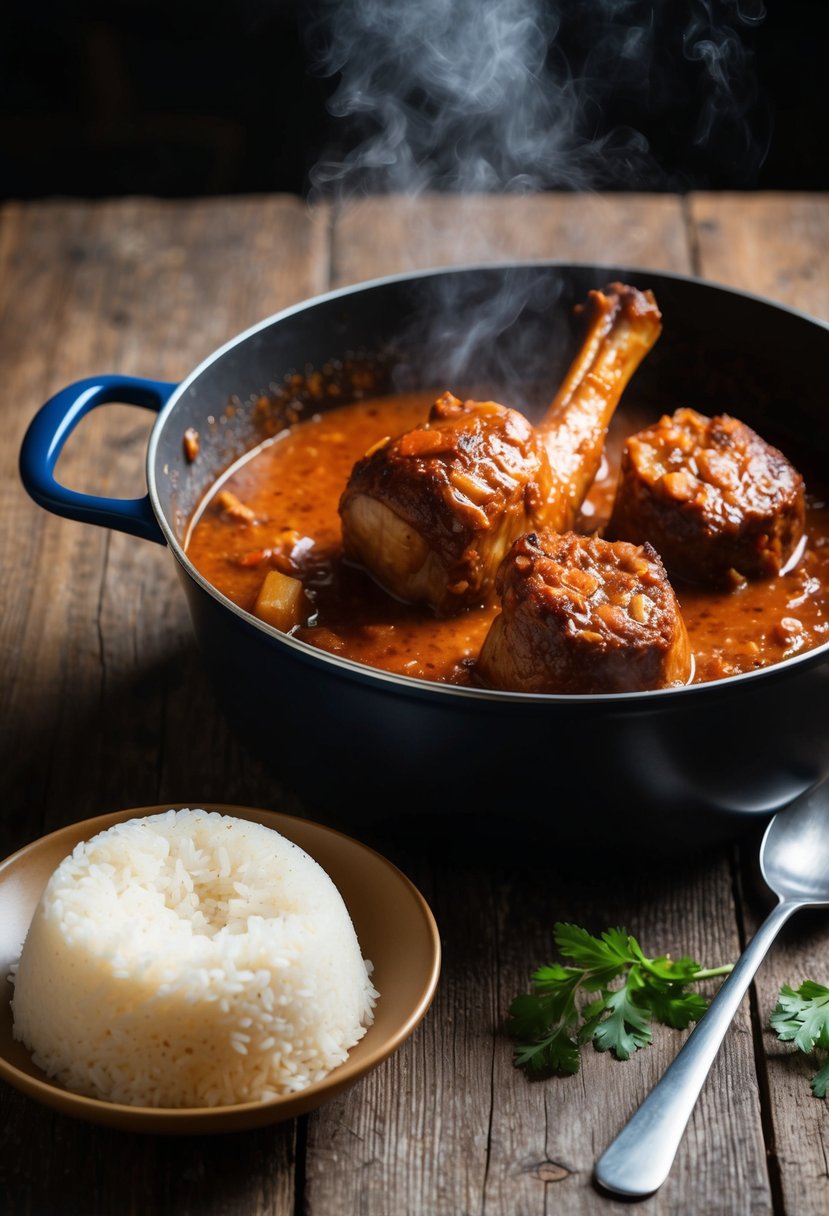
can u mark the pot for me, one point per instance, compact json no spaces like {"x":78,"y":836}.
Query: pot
{"x":701,"y":758}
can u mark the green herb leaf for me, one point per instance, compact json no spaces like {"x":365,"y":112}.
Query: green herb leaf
{"x":801,"y":1016}
{"x":625,"y":1028}
{"x":820,"y":1081}
{"x":552,"y":1022}
{"x":602,"y":959}
{"x":556,"y":1052}
{"x":676,"y":1007}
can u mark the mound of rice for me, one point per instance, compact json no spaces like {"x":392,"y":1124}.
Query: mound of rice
{"x":190,"y":958}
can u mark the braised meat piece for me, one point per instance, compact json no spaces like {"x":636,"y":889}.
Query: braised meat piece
{"x":431,"y":513}
{"x":580,"y":614}
{"x":718,"y":503}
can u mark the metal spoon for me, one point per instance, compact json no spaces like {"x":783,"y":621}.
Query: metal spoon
{"x":794,"y":861}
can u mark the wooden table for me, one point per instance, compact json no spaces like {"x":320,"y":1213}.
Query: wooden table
{"x":104,"y":706}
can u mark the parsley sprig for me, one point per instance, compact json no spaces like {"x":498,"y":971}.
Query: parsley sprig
{"x":801,"y":1015}
{"x":557,"y":1017}
{"x":612,"y":993}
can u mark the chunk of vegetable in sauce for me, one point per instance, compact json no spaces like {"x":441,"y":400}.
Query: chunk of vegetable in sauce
{"x":281,"y":601}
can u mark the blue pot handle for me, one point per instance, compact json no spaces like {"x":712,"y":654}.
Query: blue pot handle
{"x":51,"y":427}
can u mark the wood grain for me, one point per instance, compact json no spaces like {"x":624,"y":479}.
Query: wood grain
{"x":103,"y":701}
{"x":103,"y":704}
{"x":776,"y":246}
{"x":500,"y":1144}
{"x":394,"y":235}
{"x":773,"y":245}
{"x":141,"y":288}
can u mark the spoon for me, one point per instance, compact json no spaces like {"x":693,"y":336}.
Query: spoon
{"x":794,"y":861}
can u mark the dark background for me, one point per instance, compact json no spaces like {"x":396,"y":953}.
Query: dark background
{"x":181,"y":98}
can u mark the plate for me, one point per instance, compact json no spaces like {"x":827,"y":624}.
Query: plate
{"x":394,"y":925}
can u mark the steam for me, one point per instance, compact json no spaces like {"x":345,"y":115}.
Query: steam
{"x":482,"y":97}
{"x":457,"y":95}
{"x":731,"y":96}
{"x":519,"y":96}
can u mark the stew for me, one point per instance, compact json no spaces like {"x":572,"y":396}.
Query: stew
{"x":277,"y":510}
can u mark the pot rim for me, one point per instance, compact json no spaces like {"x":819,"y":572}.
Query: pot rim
{"x":432,"y":689}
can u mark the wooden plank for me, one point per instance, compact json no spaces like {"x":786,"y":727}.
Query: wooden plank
{"x":52,"y":1165}
{"x":777,"y":246}
{"x":685,"y":908}
{"x":103,"y":701}
{"x":390,"y":235}
{"x":771,"y":244}
{"x":453,"y":1127}
{"x":134,"y":287}
{"x":98,"y":711}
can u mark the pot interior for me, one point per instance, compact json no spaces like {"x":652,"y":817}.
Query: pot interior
{"x":733,"y":748}
{"x":508,"y":331}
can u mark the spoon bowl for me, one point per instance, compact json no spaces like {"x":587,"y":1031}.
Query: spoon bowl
{"x":794,"y":855}
{"x":794,"y":862}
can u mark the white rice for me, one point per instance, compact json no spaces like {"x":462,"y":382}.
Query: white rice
{"x":190,"y":958}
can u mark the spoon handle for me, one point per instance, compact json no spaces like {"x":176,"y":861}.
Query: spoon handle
{"x":638,"y":1161}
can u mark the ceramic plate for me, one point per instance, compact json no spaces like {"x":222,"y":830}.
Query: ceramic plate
{"x":394,"y":925}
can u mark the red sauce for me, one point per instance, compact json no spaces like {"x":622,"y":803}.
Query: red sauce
{"x":287,"y":519}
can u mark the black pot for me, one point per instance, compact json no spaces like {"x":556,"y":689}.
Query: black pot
{"x":685,"y":759}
